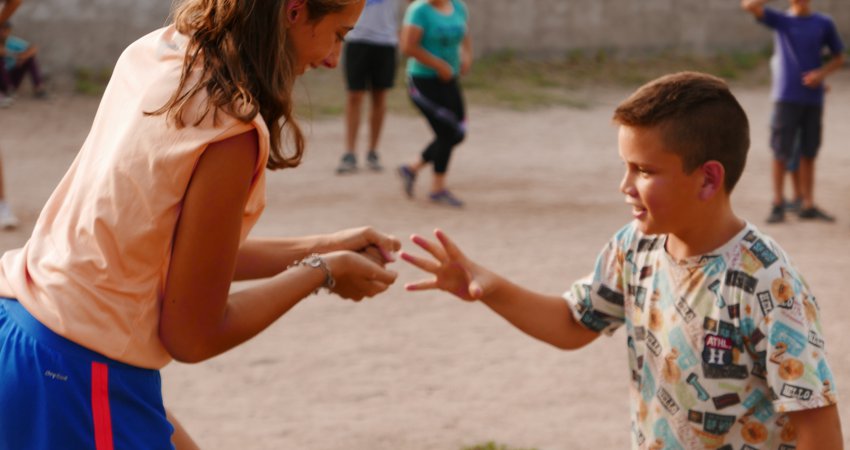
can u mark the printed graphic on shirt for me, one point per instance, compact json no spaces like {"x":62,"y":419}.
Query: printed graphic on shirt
{"x":721,"y":346}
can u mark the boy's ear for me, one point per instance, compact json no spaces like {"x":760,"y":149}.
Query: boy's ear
{"x":713,"y":174}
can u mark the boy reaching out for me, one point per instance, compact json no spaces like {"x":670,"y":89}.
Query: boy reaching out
{"x":725,"y":345}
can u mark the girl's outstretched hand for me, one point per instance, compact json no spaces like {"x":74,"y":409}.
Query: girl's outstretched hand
{"x":453,"y":271}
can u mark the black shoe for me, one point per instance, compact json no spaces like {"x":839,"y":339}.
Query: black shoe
{"x":815,"y":213}
{"x":777,"y":214}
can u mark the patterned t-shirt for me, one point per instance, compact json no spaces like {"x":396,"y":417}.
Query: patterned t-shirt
{"x":720,"y":346}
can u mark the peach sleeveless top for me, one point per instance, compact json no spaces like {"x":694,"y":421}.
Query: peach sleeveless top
{"x":95,"y":268}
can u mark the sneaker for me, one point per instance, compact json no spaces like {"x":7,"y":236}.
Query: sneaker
{"x":41,"y":94}
{"x":8,"y":220}
{"x":6,"y":101}
{"x":348,"y":164}
{"x":777,"y":214}
{"x":815,"y":213}
{"x":445,"y":197}
{"x":793,"y":205}
{"x":408,"y":177}
{"x":373,"y":162}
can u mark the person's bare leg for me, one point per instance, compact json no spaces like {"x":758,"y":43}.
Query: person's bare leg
{"x":376,"y":117}
{"x":796,"y":187}
{"x":2,"y":182}
{"x":348,"y":163}
{"x":180,"y":438}
{"x":438,"y":183}
{"x":778,"y":178}
{"x":807,"y":182}
{"x":352,"y":119}
{"x":418,"y":165}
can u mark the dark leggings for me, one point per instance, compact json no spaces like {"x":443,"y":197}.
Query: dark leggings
{"x":10,"y":80}
{"x":442,"y":104}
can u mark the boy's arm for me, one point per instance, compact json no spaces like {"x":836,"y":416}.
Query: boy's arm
{"x":816,"y":77}
{"x":754,"y":7}
{"x":544,"y":317}
{"x":818,"y":428}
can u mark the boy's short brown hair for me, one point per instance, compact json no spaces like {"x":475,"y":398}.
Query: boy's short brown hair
{"x":699,"y":117}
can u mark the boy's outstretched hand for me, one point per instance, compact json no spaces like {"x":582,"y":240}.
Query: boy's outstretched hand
{"x":453,"y":271}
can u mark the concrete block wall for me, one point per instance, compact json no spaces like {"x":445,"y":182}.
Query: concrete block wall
{"x":92,"y":33}
{"x":554,"y":27}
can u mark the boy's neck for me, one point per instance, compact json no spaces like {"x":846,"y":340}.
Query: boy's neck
{"x":706,"y":235}
{"x":800,"y":11}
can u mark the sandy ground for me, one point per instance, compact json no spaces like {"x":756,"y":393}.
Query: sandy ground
{"x":424,"y":371}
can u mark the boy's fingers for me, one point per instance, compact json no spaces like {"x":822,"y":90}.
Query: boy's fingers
{"x":475,"y":290}
{"x":422,"y":263}
{"x":429,"y":247}
{"x":452,"y":251}
{"x":421,"y":285}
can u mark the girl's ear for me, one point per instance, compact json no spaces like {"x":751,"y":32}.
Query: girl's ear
{"x":293,"y":9}
{"x":713,"y":175}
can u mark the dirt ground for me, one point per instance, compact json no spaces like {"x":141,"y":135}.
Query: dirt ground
{"x":423,"y":371}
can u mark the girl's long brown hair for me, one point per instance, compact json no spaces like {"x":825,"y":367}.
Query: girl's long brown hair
{"x":246,"y":65}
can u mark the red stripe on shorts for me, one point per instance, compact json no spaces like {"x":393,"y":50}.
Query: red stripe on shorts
{"x":100,"y":406}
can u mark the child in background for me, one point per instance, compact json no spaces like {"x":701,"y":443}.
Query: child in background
{"x":801,"y":36}
{"x":435,"y":35}
{"x":8,"y":221}
{"x":369,"y":63}
{"x":725,"y":344}
{"x":19,"y":61}
{"x":131,"y":260}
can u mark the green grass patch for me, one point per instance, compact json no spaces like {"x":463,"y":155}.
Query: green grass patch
{"x":509,"y":80}
{"x":88,"y":81}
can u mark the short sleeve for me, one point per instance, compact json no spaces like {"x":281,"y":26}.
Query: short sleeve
{"x":833,"y":39}
{"x":772,"y":18}
{"x":790,"y":345}
{"x":597,"y":300}
{"x":464,"y":10}
{"x":416,"y":15}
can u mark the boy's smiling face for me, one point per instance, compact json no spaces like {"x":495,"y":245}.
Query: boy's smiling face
{"x":662,"y":196}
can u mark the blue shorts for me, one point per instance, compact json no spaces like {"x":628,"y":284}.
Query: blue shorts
{"x":57,"y":394}
{"x":795,"y":131}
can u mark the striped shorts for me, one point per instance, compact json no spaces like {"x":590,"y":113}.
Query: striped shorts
{"x":56,"y":394}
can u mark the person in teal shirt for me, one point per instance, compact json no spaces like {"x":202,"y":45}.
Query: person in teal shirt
{"x":435,"y":36}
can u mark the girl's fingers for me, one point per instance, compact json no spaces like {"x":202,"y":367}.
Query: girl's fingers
{"x":421,"y":285}
{"x":386,"y":277}
{"x":422,"y":263}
